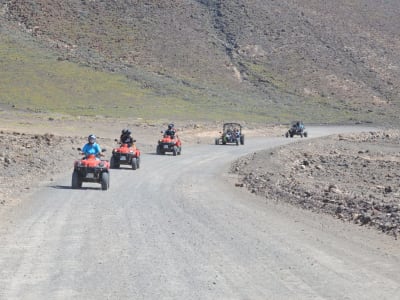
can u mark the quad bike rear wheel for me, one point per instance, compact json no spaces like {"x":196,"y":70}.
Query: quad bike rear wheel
{"x":175,"y":151}
{"x":216,"y":141}
{"x":105,"y":181}
{"x":242,"y":140}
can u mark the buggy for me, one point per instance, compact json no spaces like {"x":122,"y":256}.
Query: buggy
{"x":231,"y":134}
{"x":297,"y":128}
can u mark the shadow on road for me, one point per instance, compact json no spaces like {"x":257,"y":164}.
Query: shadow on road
{"x":67,"y":187}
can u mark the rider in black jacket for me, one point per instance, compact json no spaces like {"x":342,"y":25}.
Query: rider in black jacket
{"x":126,"y":137}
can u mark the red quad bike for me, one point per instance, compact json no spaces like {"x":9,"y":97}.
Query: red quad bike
{"x":169,"y":143}
{"x":91,"y":169}
{"x":125,"y":155}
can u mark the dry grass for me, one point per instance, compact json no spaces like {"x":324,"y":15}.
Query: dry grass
{"x":260,"y":61}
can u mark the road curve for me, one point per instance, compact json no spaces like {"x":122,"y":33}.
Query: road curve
{"x":178,"y":228}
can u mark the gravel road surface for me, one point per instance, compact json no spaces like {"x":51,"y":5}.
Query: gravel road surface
{"x":179,"y":228}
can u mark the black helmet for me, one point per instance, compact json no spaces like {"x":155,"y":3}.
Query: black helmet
{"x":92,"y":139}
{"x":124,"y":131}
{"x":170,"y":126}
{"x":128,"y":132}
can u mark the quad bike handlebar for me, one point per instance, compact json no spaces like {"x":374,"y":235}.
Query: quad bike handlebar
{"x":98,"y":154}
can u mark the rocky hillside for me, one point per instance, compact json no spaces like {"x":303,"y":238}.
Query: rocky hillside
{"x":353,"y":177}
{"x":316,"y":60}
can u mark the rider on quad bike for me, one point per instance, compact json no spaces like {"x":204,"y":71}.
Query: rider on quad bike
{"x":127,"y":153}
{"x":170,"y":142}
{"x":170,"y":131}
{"x":91,"y":147}
{"x":126,"y":137}
{"x":90,"y":168}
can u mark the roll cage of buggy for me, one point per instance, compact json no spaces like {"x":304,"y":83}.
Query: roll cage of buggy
{"x":231,"y":134}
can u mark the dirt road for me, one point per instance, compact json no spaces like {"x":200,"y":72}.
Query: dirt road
{"x":178,"y":228}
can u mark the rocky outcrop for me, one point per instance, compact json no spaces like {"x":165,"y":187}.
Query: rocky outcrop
{"x":354,"y":177}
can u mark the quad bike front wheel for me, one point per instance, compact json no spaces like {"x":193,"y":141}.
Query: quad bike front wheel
{"x":113,"y":163}
{"x":134,"y":163}
{"x":138,"y":162}
{"x":76,"y":181}
{"x":105,"y":181}
{"x":159,"y":150}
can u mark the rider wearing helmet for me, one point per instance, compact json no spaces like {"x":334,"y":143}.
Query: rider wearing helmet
{"x":91,"y":147}
{"x":123,"y":133}
{"x":170,"y":131}
{"x":126,"y":137}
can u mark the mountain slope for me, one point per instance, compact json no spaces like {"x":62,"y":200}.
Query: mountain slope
{"x":264,"y":60}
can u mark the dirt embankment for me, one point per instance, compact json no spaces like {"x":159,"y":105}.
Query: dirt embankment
{"x":354,"y":177}
{"x":26,"y":159}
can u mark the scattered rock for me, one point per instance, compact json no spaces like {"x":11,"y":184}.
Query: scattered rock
{"x":359,"y":186}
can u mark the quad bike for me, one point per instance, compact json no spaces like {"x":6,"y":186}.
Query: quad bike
{"x":125,"y":155}
{"x":231,"y":134}
{"x":297,"y":128}
{"x":169,"y":143}
{"x":91,"y":169}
